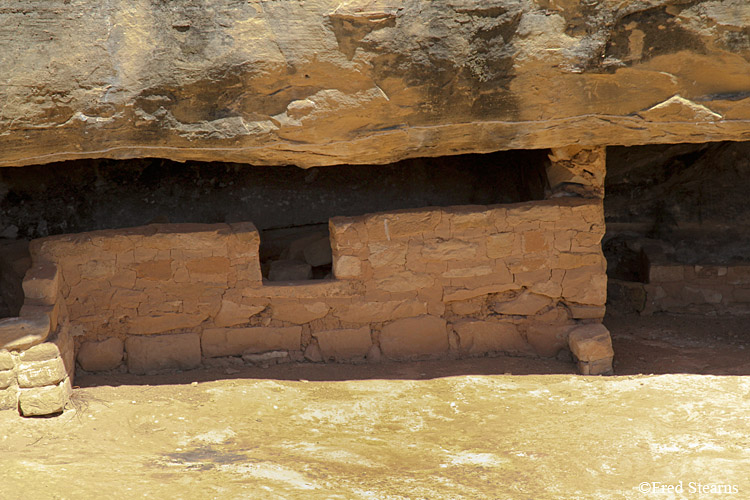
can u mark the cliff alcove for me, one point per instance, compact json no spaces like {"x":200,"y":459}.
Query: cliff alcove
{"x":87,"y":195}
{"x":678,"y":228}
{"x":150,"y":265}
{"x":142,"y":264}
{"x":289,"y":206}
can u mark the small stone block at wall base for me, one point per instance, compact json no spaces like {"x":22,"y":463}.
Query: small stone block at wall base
{"x":163,"y":352}
{"x":41,"y":401}
{"x":598,"y":367}
{"x":412,"y":338}
{"x":592,"y":347}
{"x":101,"y":356}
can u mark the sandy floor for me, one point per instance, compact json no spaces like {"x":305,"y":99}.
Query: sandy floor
{"x":466,"y":429}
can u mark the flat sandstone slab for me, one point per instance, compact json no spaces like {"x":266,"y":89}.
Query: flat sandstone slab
{"x":217,"y":342}
{"x":412,"y":338}
{"x":163,"y":352}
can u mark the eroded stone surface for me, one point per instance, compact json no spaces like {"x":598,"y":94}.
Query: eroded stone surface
{"x":163,"y":352}
{"x":6,"y":360}
{"x":22,"y":333}
{"x":42,"y":401}
{"x":345,"y":344}
{"x":480,"y":337}
{"x":591,"y":343}
{"x":524,"y":304}
{"x":232,"y":313}
{"x":40,"y":373}
{"x":7,"y":377}
{"x":577,"y":170}
{"x":322,"y":82}
{"x":236,"y":341}
{"x":300,"y":313}
{"x":41,"y":283}
{"x":9,"y":398}
{"x":41,"y":352}
{"x":101,"y":356}
{"x":414,"y":337}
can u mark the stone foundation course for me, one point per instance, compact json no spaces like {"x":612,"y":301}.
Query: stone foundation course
{"x":412,"y":284}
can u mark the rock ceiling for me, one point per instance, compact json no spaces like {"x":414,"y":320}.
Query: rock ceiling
{"x":318,"y":82}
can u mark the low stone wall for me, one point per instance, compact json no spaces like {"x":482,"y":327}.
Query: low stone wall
{"x":152,"y":279}
{"x":696,"y":289}
{"x":37,"y":360}
{"x":513,"y":278}
{"x":412,"y":284}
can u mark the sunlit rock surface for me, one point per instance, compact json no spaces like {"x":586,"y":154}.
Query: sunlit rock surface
{"x":365,"y":81}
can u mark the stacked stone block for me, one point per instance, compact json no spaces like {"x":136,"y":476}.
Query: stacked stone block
{"x":45,"y":374}
{"x":37,"y":356}
{"x":591,"y":345}
{"x":8,"y":382}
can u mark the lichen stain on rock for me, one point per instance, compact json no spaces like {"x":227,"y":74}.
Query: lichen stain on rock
{"x":458,"y":65}
{"x":643,"y":35}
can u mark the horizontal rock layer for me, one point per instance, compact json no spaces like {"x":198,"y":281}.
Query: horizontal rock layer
{"x":365,"y":81}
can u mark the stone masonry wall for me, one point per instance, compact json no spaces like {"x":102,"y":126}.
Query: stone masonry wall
{"x":37,"y":354}
{"x":687,"y":288}
{"x":434,"y":282}
{"x":411,"y":284}
{"x":150,"y":279}
{"x":513,"y":278}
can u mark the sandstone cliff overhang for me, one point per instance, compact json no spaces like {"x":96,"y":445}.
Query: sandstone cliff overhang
{"x":365,"y":81}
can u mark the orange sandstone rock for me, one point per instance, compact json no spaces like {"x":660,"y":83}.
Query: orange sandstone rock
{"x":414,"y":337}
{"x":217,"y":342}
{"x":163,"y":352}
{"x":345,"y":344}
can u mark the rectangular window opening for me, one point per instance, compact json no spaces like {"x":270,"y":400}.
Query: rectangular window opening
{"x":296,"y":253}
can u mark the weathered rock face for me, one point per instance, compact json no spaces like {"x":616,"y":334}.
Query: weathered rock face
{"x":366,"y":81}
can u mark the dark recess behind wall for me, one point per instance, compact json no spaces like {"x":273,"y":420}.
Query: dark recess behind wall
{"x":691,"y":197}
{"x":87,"y":195}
